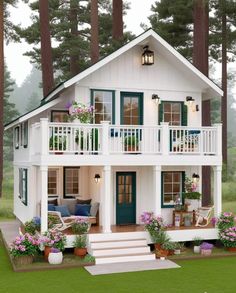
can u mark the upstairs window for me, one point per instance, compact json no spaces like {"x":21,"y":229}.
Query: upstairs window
{"x":25,"y":134}
{"x":23,"y":185}
{"x":175,"y":113}
{"x":59,"y":116}
{"x":104,"y":104}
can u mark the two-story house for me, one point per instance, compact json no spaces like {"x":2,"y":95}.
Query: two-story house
{"x":155,"y":108}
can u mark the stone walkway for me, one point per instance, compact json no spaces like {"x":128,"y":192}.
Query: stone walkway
{"x":136,"y":266}
{"x":9,"y":230}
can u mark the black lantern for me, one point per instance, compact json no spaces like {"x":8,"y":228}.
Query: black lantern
{"x":147,"y":56}
{"x":156,"y":99}
{"x":195,"y":177}
{"x":97,"y":178}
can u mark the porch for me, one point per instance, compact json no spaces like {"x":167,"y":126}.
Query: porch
{"x":105,"y":139}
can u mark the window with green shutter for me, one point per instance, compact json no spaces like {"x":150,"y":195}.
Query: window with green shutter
{"x":23,"y":185}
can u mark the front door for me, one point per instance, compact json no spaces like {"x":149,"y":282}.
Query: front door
{"x":131,"y":108}
{"x":125,"y":198}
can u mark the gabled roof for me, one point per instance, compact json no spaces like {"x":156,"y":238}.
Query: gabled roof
{"x":138,"y":40}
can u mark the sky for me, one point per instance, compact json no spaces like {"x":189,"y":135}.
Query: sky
{"x":20,"y":66}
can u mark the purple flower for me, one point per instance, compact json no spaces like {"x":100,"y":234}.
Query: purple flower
{"x":54,"y":250}
{"x":68,"y":105}
{"x":206,"y":246}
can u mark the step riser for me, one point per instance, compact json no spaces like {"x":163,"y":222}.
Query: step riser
{"x":117,"y":236}
{"x":129,"y":258}
{"x":103,"y":245}
{"x":128,"y":251}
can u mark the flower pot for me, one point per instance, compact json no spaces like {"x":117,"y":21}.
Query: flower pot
{"x":231,"y":249}
{"x":81,"y":252}
{"x":177,"y":251}
{"x":206,"y":251}
{"x":23,"y":260}
{"x":164,"y":252}
{"x":131,"y":148}
{"x":187,"y":222}
{"x":157,"y":246}
{"x":47,"y":250}
{"x":196,"y":249}
{"x":58,"y":153}
{"x":55,"y":258}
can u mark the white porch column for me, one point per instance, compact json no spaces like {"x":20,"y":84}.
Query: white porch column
{"x":157,"y":190}
{"x":106,"y":199}
{"x":44,"y":197}
{"x":105,"y":137}
{"x":165,"y":138}
{"x":44,"y":136}
{"x":217,"y":190}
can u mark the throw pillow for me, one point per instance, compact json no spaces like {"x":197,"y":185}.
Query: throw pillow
{"x":70,"y":203}
{"x":63,"y":210}
{"x":53,"y":201}
{"x":51,"y":207}
{"x":94,"y":209}
{"x":82,"y":210}
{"x":84,"y":201}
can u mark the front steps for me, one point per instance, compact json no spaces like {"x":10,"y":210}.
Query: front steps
{"x":119,"y":247}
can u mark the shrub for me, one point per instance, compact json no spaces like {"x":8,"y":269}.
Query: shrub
{"x":152,"y":224}
{"x":33,"y":226}
{"x":228,"y":237}
{"x":25,"y":245}
{"x":225,"y":221}
{"x":80,"y":226}
{"x":80,"y":241}
{"x":54,"y":239}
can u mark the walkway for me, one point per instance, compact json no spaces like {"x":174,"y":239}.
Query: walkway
{"x":9,"y":231}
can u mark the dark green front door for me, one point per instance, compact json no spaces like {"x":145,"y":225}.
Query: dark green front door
{"x":125,"y":198}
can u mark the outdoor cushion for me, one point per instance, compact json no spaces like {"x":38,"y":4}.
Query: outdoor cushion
{"x":84,"y":201}
{"x":82,"y":210}
{"x":53,"y":201}
{"x":63,"y":210}
{"x":70,"y":203}
{"x":51,"y":207}
{"x":94,"y":209}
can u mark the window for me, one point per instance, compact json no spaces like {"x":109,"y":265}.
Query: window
{"x":176,"y":113}
{"x":59,"y":116}
{"x":172,"y":187}
{"x":25,"y":134}
{"x":17,"y":137}
{"x":71,"y":182}
{"x":172,"y":113}
{"x":23,"y":185}
{"x":104,"y":104}
{"x":53,"y":182}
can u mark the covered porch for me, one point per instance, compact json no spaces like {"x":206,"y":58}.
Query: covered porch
{"x":126,"y":192}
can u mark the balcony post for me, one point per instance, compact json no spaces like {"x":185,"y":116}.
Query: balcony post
{"x":106,"y":199}
{"x":218,"y":138}
{"x":44,"y":197}
{"x":165,"y":138}
{"x":105,"y":137}
{"x":44,"y":136}
{"x":217,"y":190}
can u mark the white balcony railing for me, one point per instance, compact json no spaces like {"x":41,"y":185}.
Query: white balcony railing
{"x":90,"y":139}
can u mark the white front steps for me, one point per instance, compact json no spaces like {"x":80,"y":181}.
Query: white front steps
{"x":117,"y":247}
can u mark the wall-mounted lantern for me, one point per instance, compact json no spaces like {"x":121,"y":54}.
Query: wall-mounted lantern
{"x":191,"y":104}
{"x":97,"y":178}
{"x":196,"y":177}
{"x":147,"y":56}
{"x":156,"y":99}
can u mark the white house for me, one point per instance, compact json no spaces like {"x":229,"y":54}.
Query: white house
{"x":169,"y":141}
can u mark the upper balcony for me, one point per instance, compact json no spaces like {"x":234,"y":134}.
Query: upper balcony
{"x":116,"y":140}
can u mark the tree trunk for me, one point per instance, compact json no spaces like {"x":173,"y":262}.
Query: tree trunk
{"x":74,"y":59}
{"x":46,"y":49}
{"x":117,"y":20}
{"x":1,"y":91}
{"x":94,"y":31}
{"x":224,"y":87}
{"x":200,"y":60}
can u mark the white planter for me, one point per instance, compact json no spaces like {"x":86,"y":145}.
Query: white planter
{"x":177,"y":251}
{"x":55,"y":258}
{"x":193,"y":204}
{"x":196,"y":249}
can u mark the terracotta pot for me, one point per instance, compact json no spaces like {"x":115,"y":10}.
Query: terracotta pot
{"x":231,"y":249}
{"x":157,"y":246}
{"x":131,"y":148}
{"x":47,"y":250}
{"x":170,"y":252}
{"x":164,"y":252}
{"x":58,"y":153}
{"x":81,"y":252}
{"x":23,"y":260}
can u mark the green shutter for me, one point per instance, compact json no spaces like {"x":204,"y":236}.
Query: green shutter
{"x":162,"y":195}
{"x":160,"y":114}
{"x":184,"y":115}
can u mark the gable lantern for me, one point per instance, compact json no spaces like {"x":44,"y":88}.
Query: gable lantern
{"x":147,"y":56}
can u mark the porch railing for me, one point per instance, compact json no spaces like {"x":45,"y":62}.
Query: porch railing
{"x":90,"y":139}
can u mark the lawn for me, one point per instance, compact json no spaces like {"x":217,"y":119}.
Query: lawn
{"x":195,"y":276}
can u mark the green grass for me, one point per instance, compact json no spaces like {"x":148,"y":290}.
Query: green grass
{"x":195,"y":276}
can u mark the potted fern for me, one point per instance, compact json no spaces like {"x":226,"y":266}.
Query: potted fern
{"x":131,"y":143}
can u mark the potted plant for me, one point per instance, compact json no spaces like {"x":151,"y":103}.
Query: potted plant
{"x":191,"y":195}
{"x":167,"y":248}
{"x":52,"y":239}
{"x":80,"y":246}
{"x":131,"y":143}
{"x":187,"y":220}
{"x":55,"y":256}
{"x":81,"y":112}
{"x":228,"y":238}
{"x":33,"y":226}
{"x":196,"y":244}
{"x":178,"y":247}
{"x":206,"y":248}
{"x":24,"y":248}
{"x":225,"y":221}
{"x":80,"y":226}
{"x":57,"y":144}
